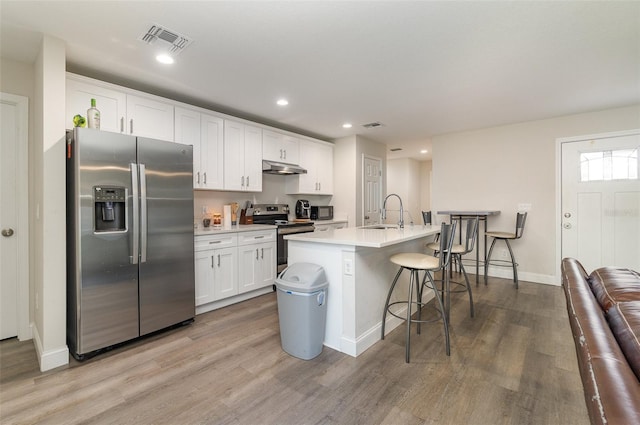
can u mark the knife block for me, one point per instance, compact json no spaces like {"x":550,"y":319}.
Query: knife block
{"x":244,"y":218}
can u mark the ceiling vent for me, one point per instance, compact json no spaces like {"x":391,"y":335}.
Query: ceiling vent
{"x":373,"y":125}
{"x":171,"y":40}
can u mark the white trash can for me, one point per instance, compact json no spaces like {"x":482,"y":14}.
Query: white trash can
{"x":302,"y":309}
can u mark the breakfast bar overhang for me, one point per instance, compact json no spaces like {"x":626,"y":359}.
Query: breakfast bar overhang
{"x":356,"y":262}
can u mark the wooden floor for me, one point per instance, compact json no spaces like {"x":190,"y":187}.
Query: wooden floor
{"x":514,"y":363}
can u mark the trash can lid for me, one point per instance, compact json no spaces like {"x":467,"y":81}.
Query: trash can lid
{"x":302,"y":277}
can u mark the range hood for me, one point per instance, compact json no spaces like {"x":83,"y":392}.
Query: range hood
{"x":272,"y":167}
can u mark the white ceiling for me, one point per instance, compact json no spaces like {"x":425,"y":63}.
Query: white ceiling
{"x":420,"y":68}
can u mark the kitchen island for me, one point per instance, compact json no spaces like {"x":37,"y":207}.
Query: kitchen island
{"x":356,"y":262}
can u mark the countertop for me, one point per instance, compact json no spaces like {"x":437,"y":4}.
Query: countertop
{"x":207,"y":231}
{"x":373,"y":238}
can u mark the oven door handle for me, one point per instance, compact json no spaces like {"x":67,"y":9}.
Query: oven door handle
{"x":300,"y":229}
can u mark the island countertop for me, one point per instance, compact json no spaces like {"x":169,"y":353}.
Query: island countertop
{"x":366,"y":237}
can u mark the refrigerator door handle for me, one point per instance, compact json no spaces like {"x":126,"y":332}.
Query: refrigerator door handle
{"x":143,"y":214}
{"x":133,"y":258}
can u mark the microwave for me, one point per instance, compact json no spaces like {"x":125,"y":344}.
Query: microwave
{"x":322,"y":212}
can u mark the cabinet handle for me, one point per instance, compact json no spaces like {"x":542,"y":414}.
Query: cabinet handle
{"x":285,"y":153}
{"x":256,"y":253}
{"x":262,"y":253}
{"x":212,"y":261}
{"x":205,"y":177}
{"x":319,"y":186}
{"x":242,"y":182}
{"x":198,"y":174}
{"x":131,"y":126}
{"x":218,"y":260}
{"x":281,"y":154}
{"x":258,"y":237}
{"x":247,"y":181}
{"x":121,"y":124}
{"x":212,"y":242}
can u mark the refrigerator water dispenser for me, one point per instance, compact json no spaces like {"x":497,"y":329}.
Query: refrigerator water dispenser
{"x":109,"y":209}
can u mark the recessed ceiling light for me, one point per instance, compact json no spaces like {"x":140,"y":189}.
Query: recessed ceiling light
{"x":346,"y":125}
{"x":165,"y":59}
{"x":282,"y":102}
{"x":424,"y":151}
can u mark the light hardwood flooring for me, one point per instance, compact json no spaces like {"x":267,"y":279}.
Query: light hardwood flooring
{"x":514,"y":363}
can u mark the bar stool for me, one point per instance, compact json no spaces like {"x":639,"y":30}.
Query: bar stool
{"x":416,"y":262}
{"x":457,"y":251}
{"x":506,"y":236}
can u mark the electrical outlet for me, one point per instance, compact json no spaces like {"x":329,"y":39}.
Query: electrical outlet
{"x":348,"y":267}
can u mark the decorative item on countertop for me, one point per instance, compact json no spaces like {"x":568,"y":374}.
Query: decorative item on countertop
{"x":217,"y":220}
{"x":93,"y":116}
{"x":234,"y":213}
{"x":206,"y":218}
{"x":226,"y":216}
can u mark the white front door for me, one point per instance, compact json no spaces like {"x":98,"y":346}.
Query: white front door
{"x":13,"y":222}
{"x":372,"y":185}
{"x":601,"y":201}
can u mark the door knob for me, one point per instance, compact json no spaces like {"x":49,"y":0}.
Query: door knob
{"x":567,"y":215}
{"x":567,"y":225}
{"x":7,"y":232}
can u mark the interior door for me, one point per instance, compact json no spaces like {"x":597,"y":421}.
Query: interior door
{"x":372,"y":182}
{"x":8,"y":221}
{"x":601,"y":202}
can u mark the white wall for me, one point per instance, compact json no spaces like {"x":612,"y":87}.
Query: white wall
{"x":48,"y":207}
{"x":425,"y":185}
{"x":501,"y":167}
{"x":404,"y":179}
{"x":273,"y":192}
{"x":345,"y":179}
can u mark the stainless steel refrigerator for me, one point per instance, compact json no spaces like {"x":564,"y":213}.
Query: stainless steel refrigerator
{"x":130,"y":259}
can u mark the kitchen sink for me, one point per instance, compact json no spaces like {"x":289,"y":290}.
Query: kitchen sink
{"x":380,"y":226}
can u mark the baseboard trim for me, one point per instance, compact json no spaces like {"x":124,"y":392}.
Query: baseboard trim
{"x":205,"y":308}
{"x":507,"y":273}
{"x":50,"y":359}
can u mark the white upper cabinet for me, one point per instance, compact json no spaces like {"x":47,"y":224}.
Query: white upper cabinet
{"x":280,"y":147}
{"x":149,"y":118}
{"x":205,"y":132}
{"x":317,"y":159}
{"x":112,"y":104}
{"x":120,"y":112}
{"x":242,"y":157}
{"x":212,"y":152}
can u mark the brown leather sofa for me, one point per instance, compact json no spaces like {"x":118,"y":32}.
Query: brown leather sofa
{"x":604,"y":313}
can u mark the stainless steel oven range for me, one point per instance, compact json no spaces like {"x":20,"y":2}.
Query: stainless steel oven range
{"x":278,"y":214}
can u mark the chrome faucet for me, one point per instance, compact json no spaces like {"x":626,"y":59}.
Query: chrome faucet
{"x":383,"y":212}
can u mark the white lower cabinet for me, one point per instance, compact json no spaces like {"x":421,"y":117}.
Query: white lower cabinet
{"x":233,"y":264}
{"x":256,"y":260}
{"x":216,"y":267}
